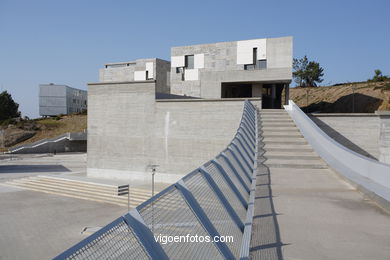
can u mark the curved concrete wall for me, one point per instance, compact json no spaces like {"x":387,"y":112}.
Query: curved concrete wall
{"x":370,"y":175}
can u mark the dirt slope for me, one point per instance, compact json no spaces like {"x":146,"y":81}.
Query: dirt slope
{"x":368,"y":97}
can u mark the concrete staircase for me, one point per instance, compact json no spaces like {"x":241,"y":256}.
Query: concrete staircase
{"x":99,"y":192}
{"x":284,"y":145}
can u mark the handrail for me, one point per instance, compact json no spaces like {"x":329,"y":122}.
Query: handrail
{"x":370,"y":174}
{"x":209,"y":201}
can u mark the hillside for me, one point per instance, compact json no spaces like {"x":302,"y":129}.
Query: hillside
{"x":368,"y":97}
{"x":29,"y":131}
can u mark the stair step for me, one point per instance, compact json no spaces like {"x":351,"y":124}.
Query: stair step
{"x":74,"y":195}
{"x":286,"y":149}
{"x":68,"y":184}
{"x":83,"y":191}
{"x":280,"y":129}
{"x":288,"y":140}
{"x":282,"y":135}
{"x":108,"y":197}
{"x":293,"y":157}
{"x":297,"y":166}
{"x":278,"y":124}
{"x":83,"y":186}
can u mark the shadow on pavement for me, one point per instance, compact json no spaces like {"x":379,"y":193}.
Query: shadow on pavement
{"x":266,"y":242}
{"x":32,"y":168}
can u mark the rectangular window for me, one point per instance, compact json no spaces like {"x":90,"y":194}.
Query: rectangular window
{"x":254,"y":55}
{"x":189,"y":62}
{"x":249,"y":67}
{"x":261,"y":64}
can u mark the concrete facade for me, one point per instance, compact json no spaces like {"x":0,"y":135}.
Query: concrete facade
{"x":61,"y":99}
{"x":200,"y":70}
{"x":136,"y":131}
{"x":139,"y":70}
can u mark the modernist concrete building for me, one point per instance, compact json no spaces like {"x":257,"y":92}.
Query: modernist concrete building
{"x":131,"y":127}
{"x":61,"y":99}
{"x":139,"y":70}
{"x":253,"y":68}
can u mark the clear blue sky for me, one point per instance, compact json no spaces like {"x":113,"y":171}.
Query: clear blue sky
{"x":67,"y":41}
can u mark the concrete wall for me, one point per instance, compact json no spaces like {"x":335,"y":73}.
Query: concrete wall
{"x":358,"y":132}
{"x":220,"y":65}
{"x":126,"y":136}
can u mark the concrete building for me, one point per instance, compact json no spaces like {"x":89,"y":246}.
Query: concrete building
{"x":143,"y":128}
{"x":61,"y":99}
{"x":139,"y":70}
{"x":240,"y":69}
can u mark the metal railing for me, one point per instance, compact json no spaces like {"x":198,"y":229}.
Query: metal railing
{"x":215,"y":200}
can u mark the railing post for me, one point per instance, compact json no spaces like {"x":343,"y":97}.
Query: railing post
{"x":136,"y":223}
{"x":240,"y":164}
{"x":235,"y":171}
{"x":222,"y":198}
{"x":242,"y":156}
{"x":231,"y":184}
{"x":203,"y":219}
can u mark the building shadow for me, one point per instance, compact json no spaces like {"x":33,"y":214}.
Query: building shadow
{"x":32,"y":168}
{"x":266,"y":240}
{"x":338,"y":137}
{"x":352,"y":103}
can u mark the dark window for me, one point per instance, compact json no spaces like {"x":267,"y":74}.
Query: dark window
{"x":261,"y":64}
{"x":249,"y":67}
{"x":189,"y":62}
{"x":254,"y":55}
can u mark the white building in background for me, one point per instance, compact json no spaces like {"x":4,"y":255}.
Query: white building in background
{"x":61,"y":99}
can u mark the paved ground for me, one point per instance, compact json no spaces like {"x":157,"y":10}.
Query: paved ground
{"x":35,"y":225}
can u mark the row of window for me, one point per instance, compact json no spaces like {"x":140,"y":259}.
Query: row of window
{"x":256,"y":65}
{"x":77,"y":101}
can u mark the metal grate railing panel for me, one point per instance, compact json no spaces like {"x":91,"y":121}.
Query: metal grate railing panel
{"x":215,"y":199}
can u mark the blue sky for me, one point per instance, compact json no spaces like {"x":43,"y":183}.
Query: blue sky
{"x":66,"y":42}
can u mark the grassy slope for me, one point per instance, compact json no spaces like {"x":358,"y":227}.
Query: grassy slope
{"x":369,"y":96}
{"x":52,"y":128}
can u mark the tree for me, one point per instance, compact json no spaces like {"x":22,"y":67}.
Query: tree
{"x":8,"y":107}
{"x":378,"y":76}
{"x":307,"y":73}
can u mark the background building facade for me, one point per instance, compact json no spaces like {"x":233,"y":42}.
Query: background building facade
{"x":61,"y":99}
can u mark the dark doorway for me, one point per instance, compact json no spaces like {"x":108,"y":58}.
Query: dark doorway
{"x":236,"y":90}
{"x":272,"y":96}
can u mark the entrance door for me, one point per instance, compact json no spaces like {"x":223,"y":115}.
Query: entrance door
{"x":272,"y":96}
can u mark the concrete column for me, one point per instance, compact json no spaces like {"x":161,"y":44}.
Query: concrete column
{"x":287,"y":93}
{"x":384,"y":136}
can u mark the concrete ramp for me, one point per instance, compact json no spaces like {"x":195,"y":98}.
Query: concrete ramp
{"x":68,"y":142}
